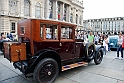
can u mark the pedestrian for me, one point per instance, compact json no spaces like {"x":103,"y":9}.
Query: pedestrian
{"x":11,"y":36}
{"x":96,"y":38}
{"x":120,"y":49}
{"x":2,"y":36}
{"x":101,"y":40}
{"x":108,"y":44}
{"x":91,"y":37}
{"x":105,"y":44}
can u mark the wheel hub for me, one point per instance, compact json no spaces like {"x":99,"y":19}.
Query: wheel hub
{"x":49,"y":73}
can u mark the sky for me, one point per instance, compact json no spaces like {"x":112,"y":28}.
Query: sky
{"x":96,"y":9}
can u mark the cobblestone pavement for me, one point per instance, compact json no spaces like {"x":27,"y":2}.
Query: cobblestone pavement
{"x":111,"y":70}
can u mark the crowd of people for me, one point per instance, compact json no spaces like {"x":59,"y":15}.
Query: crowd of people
{"x":4,"y":37}
{"x":98,"y":39}
{"x":102,"y":39}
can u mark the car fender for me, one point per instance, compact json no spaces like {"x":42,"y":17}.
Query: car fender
{"x":41,"y":55}
{"x":99,"y":47}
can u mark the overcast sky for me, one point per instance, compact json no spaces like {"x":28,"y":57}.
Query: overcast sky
{"x":95,"y":9}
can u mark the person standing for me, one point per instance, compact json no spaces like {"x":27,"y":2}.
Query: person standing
{"x":91,"y":37}
{"x":108,"y":44}
{"x":101,"y":40}
{"x":120,"y":40}
{"x":96,"y":38}
{"x":105,"y":44}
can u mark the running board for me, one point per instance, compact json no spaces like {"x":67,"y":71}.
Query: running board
{"x":67,"y":67}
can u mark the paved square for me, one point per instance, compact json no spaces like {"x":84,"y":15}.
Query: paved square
{"x":111,"y":70}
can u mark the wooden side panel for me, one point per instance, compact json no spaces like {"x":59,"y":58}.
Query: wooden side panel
{"x":7,"y":51}
{"x":15,"y":51}
{"x":18,"y":52}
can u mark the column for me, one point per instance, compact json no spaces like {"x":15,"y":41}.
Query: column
{"x":82,"y":19}
{"x":32,"y":9}
{"x":78,"y":17}
{"x":46,"y":8}
{"x":42,"y":9}
{"x":21,"y":8}
{"x":68,"y":13}
{"x":61,"y":11}
{"x":74,"y":16}
{"x":55,"y":13}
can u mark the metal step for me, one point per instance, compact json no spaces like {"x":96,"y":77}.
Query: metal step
{"x":67,"y":67}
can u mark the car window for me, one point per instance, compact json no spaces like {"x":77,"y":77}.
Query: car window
{"x":66,"y":32}
{"x":49,"y":31}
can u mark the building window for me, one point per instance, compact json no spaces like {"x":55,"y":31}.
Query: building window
{"x":13,"y":25}
{"x":76,"y":18}
{"x":58,"y":10}
{"x":65,"y":9}
{"x":38,"y":10}
{"x":13,"y":6}
{"x":50,"y":9}
{"x":26,"y":8}
{"x":71,"y":18}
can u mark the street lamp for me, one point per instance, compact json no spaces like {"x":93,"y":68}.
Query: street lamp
{"x":123,"y":27}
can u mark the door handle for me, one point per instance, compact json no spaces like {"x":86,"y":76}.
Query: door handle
{"x":60,"y":44}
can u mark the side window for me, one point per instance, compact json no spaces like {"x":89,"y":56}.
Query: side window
{"x":49,"y":31}
{"x":22,"y":30}
{"x":66,"y":32}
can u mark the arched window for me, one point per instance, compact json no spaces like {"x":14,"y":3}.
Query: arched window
{"x":38,"y":10}
{"x":13,"y":6}
{"x":76,"y":18}
{"x":58,"y":10}
{"x":71,"y":18}
{"x":26,"y":8}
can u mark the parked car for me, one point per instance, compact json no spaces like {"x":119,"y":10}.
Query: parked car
{"x":113,"y":41}
{"x":43,"y":57}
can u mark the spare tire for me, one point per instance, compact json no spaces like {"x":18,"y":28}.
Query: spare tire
{"x":89,"y":51}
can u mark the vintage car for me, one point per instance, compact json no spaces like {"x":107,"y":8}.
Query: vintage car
{"x":47,"y":47}
{"x":113,"y":42}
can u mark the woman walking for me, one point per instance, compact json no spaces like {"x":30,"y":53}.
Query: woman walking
{"x":120,"y":40}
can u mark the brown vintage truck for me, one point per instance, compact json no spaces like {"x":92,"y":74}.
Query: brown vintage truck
{"x":47,"y":47}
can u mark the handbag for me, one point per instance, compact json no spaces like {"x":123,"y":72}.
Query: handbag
{"x":123,"y":45}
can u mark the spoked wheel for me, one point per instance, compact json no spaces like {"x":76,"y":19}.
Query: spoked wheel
{"x":90,"y":52}
{"x":98,"y":57}
{"x":46,"y":71}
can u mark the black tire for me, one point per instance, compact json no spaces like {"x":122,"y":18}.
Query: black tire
{"x":46,"y":71}
{"x":98,"y":57}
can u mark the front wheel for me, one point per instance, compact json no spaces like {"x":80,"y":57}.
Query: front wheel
{"x":46,"y":71}
{"x":98,"y":57}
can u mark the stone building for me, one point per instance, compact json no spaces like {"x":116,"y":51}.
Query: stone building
{"x":12,"y":11}
{"x":105,"y":25}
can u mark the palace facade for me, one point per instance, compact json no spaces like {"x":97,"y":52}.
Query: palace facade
{"x":105,"y":25}
{"x":12,"y":11}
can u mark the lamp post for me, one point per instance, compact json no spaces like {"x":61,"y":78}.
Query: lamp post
{"x":123,"y":27}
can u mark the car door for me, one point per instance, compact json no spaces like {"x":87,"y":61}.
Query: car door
{"x":66,"y":44}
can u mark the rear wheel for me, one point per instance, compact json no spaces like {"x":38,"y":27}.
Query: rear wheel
{"x":46,"y":71}
{"x":98,"y":57}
